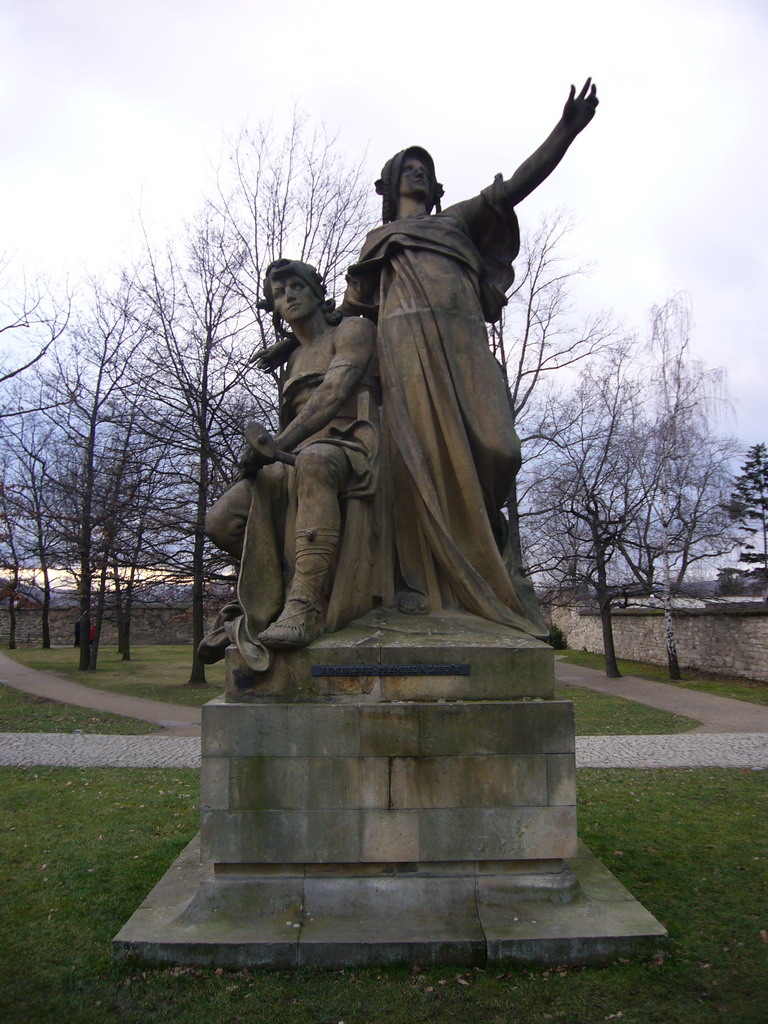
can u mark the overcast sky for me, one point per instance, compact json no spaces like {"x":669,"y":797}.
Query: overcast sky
{"x":109,"y":107}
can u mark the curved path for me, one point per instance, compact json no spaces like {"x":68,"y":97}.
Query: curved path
{"x":716,"y":714}
{"x":177,"y":718}
{"x":732,"y":733}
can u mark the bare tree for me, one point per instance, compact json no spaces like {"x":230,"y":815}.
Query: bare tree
{"x":278,"y":196}
{"x":10,"y":546}
{"x":32,"y":448}
{"x":588,"y":493}
{"x":32,"y":318}
{"x":197,"y":368}
{"x":85,"y":386}
{"x":541,"y":332}
{"x":685,"y":396}
{"x":698,"y":530}
{"x":295,"y":196}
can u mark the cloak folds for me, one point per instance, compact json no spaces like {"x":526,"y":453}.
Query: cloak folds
{"x":431,"y":282}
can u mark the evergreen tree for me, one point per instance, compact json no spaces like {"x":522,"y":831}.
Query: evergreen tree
{"x":749,"y":508}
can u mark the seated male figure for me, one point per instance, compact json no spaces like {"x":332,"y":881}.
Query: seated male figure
{"x":279,"y":514}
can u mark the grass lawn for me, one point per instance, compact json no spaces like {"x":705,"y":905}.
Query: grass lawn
{"x":602,"y":714}
{"x":708,"y":682}
{"x":81,"y":848}
{"x":158,"y":672}
{"x":24,"y":712}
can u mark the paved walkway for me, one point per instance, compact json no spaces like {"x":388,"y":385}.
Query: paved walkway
{"x":176,"y":718}
{"x":732,"y":733}
{"x":686,"y":750}
{"x":716,"y":714}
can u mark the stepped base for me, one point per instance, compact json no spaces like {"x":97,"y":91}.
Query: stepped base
{"x":402,"y":790}
{"x":580,"y":915}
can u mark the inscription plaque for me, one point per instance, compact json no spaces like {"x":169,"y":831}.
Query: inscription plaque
{"x":459,"y":669}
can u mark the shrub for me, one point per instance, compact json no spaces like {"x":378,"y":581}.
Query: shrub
{"x":557,"y":638}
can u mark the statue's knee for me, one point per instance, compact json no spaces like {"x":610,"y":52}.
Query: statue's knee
{"x":318,"y":467}
{"x":225,"y":521}
{"x":212,"y":523}
{"x":221,"y":528}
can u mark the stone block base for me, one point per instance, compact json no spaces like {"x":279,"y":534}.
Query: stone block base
{"x":412,"y":782}
{"x":498,"y":663}
{"x":388,"y":812}
{"x":579,"y":915}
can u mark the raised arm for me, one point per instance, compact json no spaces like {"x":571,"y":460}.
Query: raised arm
{"x":577,"y":113}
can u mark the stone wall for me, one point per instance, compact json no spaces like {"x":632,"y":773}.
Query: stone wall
{"x":730,"y":640}
{"x":149,"y":625}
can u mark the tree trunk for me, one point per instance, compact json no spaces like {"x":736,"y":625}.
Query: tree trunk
{"x":611,"y":666}
{"x":514,"y":525}
{"x":119,"y":614}
{"x":125,"y":638}
{"x":125,"y":629}
{"x":46,"y":611}
{"x":197,"y":675}
{"x":123,"y":614}
{"x":85,"y":592}
{"x":604,"y":604}
{"x":669,"y":637}
{"x":12,"y":620}
{"x":669,"y":622}
{"x":85,"y":636}
{"x":94,"y":653}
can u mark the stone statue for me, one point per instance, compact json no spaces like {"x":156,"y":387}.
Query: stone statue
{"x":431,"y":281}
{"x":301,"y":518}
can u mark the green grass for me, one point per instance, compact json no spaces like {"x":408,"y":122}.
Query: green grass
{"x":24,"y":712}
{"x":80,"y":849}
{"x":157,"y":672}
{"x":601,"y":714}
{"x":708,"y":682}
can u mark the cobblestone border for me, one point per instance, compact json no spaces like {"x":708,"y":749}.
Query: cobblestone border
{"x":687,"y":750}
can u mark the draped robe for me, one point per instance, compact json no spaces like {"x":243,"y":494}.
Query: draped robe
{"x":431,"y":282}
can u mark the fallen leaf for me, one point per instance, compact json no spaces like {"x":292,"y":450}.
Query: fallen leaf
{"x":763,"y":935}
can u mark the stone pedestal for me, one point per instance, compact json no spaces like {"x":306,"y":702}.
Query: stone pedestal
{"x":401,"y":790}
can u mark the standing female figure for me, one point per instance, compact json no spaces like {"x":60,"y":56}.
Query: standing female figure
{"x":431,"y":282}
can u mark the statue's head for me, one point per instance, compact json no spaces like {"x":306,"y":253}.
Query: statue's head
{"x":388,"y":185}
{"x":283,"y":270}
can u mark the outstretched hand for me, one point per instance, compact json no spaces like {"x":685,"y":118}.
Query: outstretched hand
{"x":579,"y":110}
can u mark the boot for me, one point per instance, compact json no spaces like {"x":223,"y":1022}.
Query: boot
{"x":300,"y":621}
